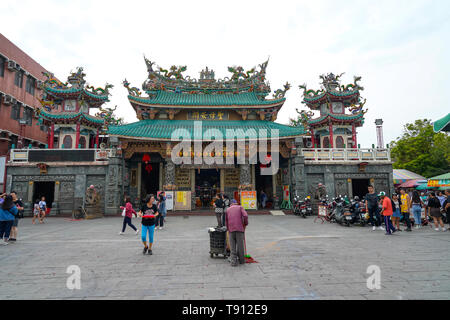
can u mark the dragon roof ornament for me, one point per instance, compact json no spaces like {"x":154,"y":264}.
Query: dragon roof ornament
{"x":240,"y":80}
{"x":332,"y":84}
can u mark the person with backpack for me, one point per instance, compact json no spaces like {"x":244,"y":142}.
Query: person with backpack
{"x":386,"y":211}
{"x":8,"y":213}
{"x":434,"y":211}
{"x":372,"y":208}
{"x":15,"y":227}
{"x":416,"y":208}
{"x":129,"y":211}
{"x":162,"y":210}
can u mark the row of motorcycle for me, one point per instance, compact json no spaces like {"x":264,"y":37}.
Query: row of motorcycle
{"x":340,"y":210}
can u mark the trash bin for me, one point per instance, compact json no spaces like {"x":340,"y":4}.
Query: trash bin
{"x":218,"y":242}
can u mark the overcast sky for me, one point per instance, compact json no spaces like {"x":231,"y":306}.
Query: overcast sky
{"x":400,"y":48}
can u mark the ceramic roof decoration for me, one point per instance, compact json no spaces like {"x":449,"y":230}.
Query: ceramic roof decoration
{"x":442,"y":124}
{"x":170,"y":87}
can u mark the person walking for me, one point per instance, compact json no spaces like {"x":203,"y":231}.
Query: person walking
{"x":386,"y":211}
{"x":218,"y":209}
{"x":15,"y":227}
{"x":162,"y":210}
{"x":372,"y":208}
{"x":405,"y":203}
{"x":129,"y":211}
{"x":236,"y":221}
{"x":396,"y":209}
{"x":36,"y":212}
{"x":8,"y":213}
{"x":43,"y":207}
{"x":441,"y":198}
{"x":416,"y":208}
{"x":148,"y":212}
{"x":434,"y":211}
{"x":263,"y":198}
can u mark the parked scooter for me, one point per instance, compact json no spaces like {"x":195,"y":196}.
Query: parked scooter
{"x":358,"y":210}
{"x":299,"y":207}
{"x":308,"y":204}
{"x":341,"y":212}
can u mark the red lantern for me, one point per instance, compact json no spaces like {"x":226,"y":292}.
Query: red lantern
{"x":146,"y":158}
{"x":148,"y":168}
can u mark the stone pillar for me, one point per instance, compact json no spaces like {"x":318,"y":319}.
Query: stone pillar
{"x":113,"y":186}
{"x":30,"y":192}
{"x":245,"y":177}
{"x":329,"y":183}
{"x":55,"y":208}
{"x":169,"y":177}
{"x":298,"y":179}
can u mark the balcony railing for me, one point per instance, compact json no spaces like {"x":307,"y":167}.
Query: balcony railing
{"x":359,"y":155}
{"x":60,"y":155}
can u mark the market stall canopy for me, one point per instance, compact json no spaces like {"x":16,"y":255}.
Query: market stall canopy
{"x":403,"y":175}
{"x":442,"y":124}
{"x":442,"y":181}
{"x":413,"y":183}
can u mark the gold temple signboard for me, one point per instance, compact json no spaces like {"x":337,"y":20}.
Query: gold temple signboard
{"x":231,"y":177}
{"x":183,"y":178}
{"x":208,"y":115}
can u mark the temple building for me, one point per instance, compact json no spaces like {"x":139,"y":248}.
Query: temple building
{"x":196,"y":137}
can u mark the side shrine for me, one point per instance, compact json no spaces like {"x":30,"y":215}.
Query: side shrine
{"x":172,"y":145}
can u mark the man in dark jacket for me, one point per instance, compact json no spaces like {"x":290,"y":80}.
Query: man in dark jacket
{"x":236,"y":220}
{"x":372,"y":208}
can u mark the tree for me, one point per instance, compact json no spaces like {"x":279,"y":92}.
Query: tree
{"x":421,"y":150}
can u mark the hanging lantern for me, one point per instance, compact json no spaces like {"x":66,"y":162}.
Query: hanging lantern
{"x":148,"y":168}
{"x":146,"y":158}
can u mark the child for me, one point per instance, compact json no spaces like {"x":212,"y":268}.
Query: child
{"x":148,"y":213}
{"x":43,"y":208}
{"x":129,"y":211}
{"x":36,"y":211}
{"x":396,"y":208}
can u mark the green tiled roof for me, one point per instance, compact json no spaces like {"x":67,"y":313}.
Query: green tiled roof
{"x":70,"y":115}
{"x":442,"y":124}
{"x":337,"y":117}
{"x":163,"y":129}
{"x":77,"y":90}
{"x":333,"y":93}
{"x":186,"y":99}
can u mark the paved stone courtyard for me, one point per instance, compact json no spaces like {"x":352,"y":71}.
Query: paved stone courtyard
{"x":297,"y":259}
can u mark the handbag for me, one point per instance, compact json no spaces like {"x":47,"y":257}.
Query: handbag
{"x":123,"y":212}
{"x":219,"y":210}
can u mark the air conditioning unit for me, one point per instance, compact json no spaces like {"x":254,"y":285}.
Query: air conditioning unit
{"x":18,"y":67}
{"x":11,"y":65}
{"x":309,"y":144}
{"x":7,"y":99}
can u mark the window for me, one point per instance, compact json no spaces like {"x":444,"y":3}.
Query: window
{"x":2,"y":66}
{"x":67,"y":142}
{"x":326,"y":142}
{"x":339,"y":142}
{"x":18,"y":81}
{"x":82,"y":143}
{"x":15,"y":112}
{"x":28,"y":116}
{"x":31,"y":83}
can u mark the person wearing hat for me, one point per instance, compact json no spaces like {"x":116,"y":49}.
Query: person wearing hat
{"x":387,"y":212}
{"x":236,"y":220}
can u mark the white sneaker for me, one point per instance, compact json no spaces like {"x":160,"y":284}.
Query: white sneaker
{"x":374,"y":228}
{"x":381,"y":228}
{"x":436,"y":229}
{"x":160,"y":228}
{"x":5,"y":242}
{"x":137,"y":231}
{"x":120,"y":233}
{"x":444,"y":230}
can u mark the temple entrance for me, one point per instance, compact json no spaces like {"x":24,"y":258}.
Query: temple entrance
{"x":150,"y":179}
{"x":44,"y":189}
{"x":359,"y":187}
{"x":207,"y":185}
{"x":263,"y":183}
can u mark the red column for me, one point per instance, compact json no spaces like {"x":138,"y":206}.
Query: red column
{"x":313,"y":139}
{"x":96,"y":138}
{"x":331,"y":135}
{"x":77,"y":139}
{"x":52,"y":136}
{"x":354,"y":136}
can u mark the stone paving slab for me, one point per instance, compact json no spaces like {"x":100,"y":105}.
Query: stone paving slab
{"x":297,"y":260}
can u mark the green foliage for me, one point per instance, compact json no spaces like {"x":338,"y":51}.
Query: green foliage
{"x":421,"y":150}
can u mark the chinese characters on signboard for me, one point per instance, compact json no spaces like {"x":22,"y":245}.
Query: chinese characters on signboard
{"x":207,"y":115}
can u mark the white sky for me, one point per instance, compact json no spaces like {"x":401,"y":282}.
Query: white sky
{"x":400,"y":48}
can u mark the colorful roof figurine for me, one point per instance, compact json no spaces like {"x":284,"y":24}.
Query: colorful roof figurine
{"x":74,"y":89}
{"x":166,"y":88}
{"x":332,"y":100}
{"x":442,"y":124}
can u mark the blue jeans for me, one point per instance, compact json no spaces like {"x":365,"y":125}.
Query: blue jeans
{"x":150,"y":230}
{"x":417,"y":212}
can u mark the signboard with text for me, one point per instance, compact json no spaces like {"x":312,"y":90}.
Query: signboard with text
{"x":248,"y":200}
